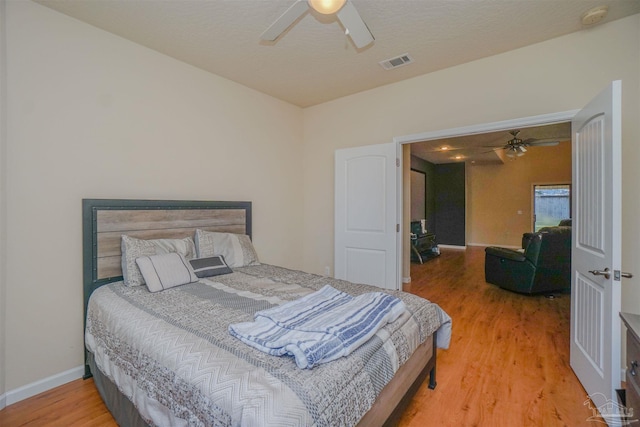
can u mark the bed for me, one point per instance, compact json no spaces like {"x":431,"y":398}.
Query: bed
{"x":166,"y":358}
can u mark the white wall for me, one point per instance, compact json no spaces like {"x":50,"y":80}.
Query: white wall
{"x":91,"y":115}
{"x":559,"y":75}
{"x":3,"y":128}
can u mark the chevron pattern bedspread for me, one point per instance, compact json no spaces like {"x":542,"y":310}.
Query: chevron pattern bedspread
{"x":171,"y":353}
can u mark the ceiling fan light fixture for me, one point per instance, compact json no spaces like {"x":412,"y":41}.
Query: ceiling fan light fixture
{"x":344,"y":10}
{"x":327,"y":7}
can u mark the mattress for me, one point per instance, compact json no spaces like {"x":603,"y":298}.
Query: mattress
{"x":171,"y":354}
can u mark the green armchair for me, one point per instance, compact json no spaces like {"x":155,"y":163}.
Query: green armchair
{"x":544,"y":266}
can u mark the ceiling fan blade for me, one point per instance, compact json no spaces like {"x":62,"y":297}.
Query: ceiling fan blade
{"x":543,"y":143}
{"x":286,"y":20}
{"x":355,"y":26}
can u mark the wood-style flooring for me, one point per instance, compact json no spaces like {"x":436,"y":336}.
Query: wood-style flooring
{"x":508,"y":363}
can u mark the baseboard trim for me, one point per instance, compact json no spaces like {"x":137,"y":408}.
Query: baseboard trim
{"x":3,"y":401}
{"x":43,"y":385}
{"x":456,"y":247}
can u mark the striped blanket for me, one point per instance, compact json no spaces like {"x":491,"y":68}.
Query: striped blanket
{"x":320,"y":327}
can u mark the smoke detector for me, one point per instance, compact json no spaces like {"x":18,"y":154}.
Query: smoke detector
{"x":595,"y":15}
{"x":396,"y":62}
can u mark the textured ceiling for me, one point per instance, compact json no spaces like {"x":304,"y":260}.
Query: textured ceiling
{"x":314,"y":62}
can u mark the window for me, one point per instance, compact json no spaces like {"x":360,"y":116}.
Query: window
{"x":551,"y":204}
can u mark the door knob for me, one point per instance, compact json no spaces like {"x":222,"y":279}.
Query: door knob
{"x":606,"y":273}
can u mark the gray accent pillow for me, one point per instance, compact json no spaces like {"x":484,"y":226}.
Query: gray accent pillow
{"x":236,"y":249}
{"x":211,"y":266}
{"x":133,"y":248}
{"x":165,"y":271}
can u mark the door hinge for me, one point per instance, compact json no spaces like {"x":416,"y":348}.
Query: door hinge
{"x":397,"y":162}
{"x":397,"y":228}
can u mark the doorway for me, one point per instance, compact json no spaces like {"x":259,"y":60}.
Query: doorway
{"x":596,"y":138}
{"x":404,"y":204}
{"x":418,"y":195}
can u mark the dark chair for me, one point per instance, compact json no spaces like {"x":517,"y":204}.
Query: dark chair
{"x":543,"y":267}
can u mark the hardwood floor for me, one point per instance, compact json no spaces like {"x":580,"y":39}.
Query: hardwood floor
{"x":508,"y":363}
{"x":76,"y":404}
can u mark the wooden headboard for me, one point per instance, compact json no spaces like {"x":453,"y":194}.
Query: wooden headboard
{"x":104,"y":221}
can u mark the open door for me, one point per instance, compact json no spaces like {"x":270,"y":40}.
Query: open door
{"x":596,"y":251}
{"x":366,"y":226}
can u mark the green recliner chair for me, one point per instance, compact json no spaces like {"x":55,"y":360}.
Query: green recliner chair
{"x":543,"y":267}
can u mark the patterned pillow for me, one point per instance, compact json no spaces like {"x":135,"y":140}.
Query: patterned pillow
{"x":165,"y":271}
{"x":212,"y":266}
{"x":133,"y":248}
{"x":236,"y":249}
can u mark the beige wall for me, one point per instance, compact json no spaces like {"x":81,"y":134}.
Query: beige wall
{"x":555,"y":76}
{"x":495,"y":194}
{"x":91,"y":115}
{"x":3,"y":107}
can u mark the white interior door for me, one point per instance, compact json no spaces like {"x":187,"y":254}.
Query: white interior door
{"x":365,"y":215}
{"x":596,"y":298}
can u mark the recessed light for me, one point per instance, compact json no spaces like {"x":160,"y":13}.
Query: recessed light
{"x":595,"y":15}
{"x":444,"y":148}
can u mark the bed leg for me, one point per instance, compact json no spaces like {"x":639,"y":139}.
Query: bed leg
{"x":432,"y":373}
{"x":432,"y":378}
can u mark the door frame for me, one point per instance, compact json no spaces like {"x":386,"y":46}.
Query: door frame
{"x":505,"y":125}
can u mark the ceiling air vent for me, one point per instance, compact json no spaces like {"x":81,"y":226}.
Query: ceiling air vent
{"x":396,"y":62}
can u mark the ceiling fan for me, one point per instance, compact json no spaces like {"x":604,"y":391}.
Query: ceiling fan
{"x":343,"y":9}
{"x":516,"y":147}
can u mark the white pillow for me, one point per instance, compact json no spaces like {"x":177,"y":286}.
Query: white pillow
{"x":236,"y":249}
{"x":133,"y":248}
{"x":165,"y":271}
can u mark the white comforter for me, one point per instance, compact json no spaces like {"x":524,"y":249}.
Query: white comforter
{"x":172,"y":355}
